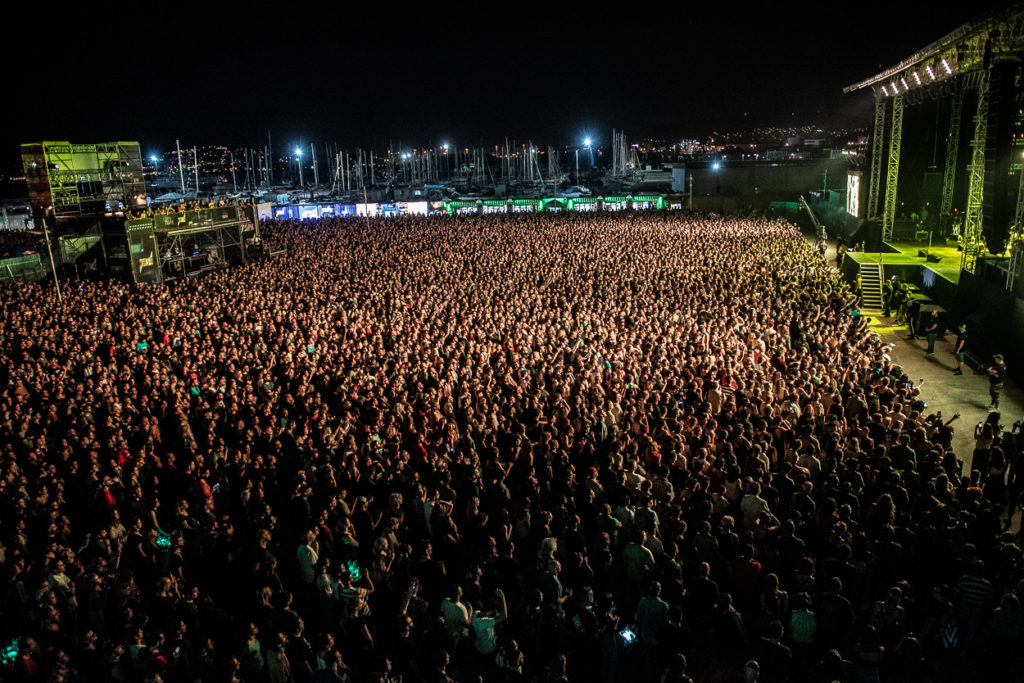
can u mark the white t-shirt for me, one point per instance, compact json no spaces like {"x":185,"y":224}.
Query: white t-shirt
{"x":752,"y":506}
{"x":307,"y":558}
{"x":455,"y":617}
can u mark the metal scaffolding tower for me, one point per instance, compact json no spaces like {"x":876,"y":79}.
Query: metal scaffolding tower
{"x":878,"y":139}
{"x":620,"y":154}
{"x":1016,"y":240}
{"x":952,"y":152}
{"x":976,"y":185}
{"x":893,"y":172}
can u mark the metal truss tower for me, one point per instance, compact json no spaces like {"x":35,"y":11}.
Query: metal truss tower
{"x":1016,"y":240}
{"x":976,"y":186}
{"x":952,"y":151}
{"x":878,"y":138}
{"x":893,"y":172}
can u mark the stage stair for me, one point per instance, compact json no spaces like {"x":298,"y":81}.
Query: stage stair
{"x":871,"y":276}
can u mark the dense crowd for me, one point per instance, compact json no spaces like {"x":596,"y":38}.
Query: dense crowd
{"x":185,"y":204}
{"x":16,"y":242}
{"x":528,"y":448}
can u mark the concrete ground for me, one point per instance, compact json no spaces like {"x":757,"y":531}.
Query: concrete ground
{"x":966,"y":394}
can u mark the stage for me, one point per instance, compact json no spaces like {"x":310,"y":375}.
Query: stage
{"x":905,"y":254}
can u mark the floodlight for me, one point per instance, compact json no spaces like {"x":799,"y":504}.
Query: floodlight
{"x":586,"y":142}
{"x":904,"y":82}
{"x":715,"y":165}
{"x":298,"y":152}
{"x":917,"y":78}
{"x":885,"y":91}
{"x":948,"y":69}
{"x":930,"y":72}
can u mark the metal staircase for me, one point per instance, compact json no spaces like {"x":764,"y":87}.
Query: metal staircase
{"x":871,"y":277}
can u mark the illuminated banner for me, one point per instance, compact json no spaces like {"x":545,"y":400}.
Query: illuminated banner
{"x":853,"y":194}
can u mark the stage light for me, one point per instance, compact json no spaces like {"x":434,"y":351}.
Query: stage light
{"x":948,"y":69}
{"x":917,"y":78}
{"x":885,"y":91}
{"x":930,"y":72}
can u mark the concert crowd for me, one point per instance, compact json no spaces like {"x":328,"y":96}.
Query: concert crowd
{"x":645,"y":447}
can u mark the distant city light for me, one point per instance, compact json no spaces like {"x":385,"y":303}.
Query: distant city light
{"x":298,"y":152}
{"x":445,"y":145}
{"x":586,"y":142}
{"x":152,"y":157}
{"x":715,"y":165}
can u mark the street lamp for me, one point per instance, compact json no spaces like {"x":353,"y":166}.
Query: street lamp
{"x":298,"y":153}
{"x":587,"y":142}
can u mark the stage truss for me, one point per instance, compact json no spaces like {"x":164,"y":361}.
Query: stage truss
{"x":953,"y":65}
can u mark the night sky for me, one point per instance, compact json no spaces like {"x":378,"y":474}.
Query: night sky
{"x":422,"y":78}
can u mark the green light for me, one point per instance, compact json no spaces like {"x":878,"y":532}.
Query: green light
{"x":10,"y":652}
{"x":163,"y":540}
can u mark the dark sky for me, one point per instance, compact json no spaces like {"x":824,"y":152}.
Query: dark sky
{"x":419,"y":78}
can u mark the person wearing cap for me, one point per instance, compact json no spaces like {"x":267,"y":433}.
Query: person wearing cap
{"x":996,"y":374}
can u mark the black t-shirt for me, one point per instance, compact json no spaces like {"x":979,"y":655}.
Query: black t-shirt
{"x":996,"y":373}
{"x":961,"y":341}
